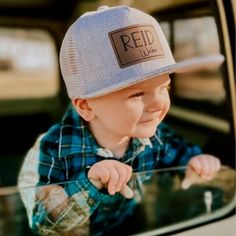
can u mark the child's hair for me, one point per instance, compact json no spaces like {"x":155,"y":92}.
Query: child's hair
{"x":112,"y":48}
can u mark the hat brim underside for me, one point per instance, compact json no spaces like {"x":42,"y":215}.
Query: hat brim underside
{"x":209,"y":62}
{"x":195,"y":64}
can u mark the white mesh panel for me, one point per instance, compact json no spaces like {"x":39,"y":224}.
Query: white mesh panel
{"x":69,"y":64}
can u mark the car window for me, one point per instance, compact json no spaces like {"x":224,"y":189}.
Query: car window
{"x":195,"y":94}
{"x":165,"y":26}
{"x":200,"y":111}
{"x":192,"y":38}
{"x":28,"y":64}
{"x":162,"y":190}
{"x":201,"y":101}
{"x":169,"y":203}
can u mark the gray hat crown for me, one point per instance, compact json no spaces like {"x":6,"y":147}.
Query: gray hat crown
{"x":112,"y":48}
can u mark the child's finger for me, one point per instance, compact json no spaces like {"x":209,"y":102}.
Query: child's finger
{"x":217,"y":164}
{"x":129,"y":173}
{"x":201,"y":168}
{"x":210,"y":165}
{"x":97,"y":183}
{"x":105,"y":176}
{"x":213,"y":167}
{"x":191,"y":177}
{"x":206,"y":167}
{"x":127,"y":192}
{"x":122,"y":177}
{"x":100,"y":173}
{"x":114,"y":177}
{"x":196,"y":165}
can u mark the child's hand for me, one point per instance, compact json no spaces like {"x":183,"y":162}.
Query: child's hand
{"x":113,"y":175}
{"x":203,"y":166}
{"x":48,"y":194}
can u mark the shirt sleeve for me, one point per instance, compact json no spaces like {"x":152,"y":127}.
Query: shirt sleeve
{"x":53,"y":205}
{"x":175,"y":150}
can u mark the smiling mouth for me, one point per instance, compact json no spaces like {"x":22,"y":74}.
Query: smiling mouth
{"x":148,"y":121}
{"x":157,"y":116}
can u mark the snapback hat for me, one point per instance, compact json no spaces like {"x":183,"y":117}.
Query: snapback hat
{"x":115,"y":47}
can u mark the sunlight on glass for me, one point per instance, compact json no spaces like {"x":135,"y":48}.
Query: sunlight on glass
{"x":162,"y":201}
{"x":192,"y":38}
{"x":28,"y":64}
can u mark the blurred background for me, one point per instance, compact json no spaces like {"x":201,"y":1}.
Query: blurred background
{"x":33,"y":95}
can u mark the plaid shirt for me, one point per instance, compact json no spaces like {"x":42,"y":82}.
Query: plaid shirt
{"x":65,"y":198}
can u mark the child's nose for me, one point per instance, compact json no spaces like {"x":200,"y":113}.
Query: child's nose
{"x":156,"y":103}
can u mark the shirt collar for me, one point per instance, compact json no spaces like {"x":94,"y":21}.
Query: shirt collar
{"x":75,"y":137}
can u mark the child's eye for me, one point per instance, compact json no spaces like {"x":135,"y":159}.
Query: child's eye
{"x":139,"y":94}
{"x":165,"y":87}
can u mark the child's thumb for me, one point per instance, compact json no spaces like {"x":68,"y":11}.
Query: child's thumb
{"x":191,"y":177}
{"x":127,"y":192}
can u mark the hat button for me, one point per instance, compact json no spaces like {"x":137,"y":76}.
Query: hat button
{"x":101,"y":8}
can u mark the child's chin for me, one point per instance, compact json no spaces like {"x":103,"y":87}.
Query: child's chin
{"x":146,"y":134}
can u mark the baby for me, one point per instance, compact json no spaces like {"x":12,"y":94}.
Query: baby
{"x":116,"y":64}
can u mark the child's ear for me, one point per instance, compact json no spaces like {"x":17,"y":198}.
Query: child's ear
{"x":82,"y":107}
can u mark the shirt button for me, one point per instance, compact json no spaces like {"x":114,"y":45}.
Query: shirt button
{"x":91,"y":201}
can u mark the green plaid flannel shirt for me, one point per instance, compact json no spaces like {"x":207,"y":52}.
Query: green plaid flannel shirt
{"x":53,"y":181}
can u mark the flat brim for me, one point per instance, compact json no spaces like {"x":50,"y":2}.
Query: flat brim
{"x":208,"y":62}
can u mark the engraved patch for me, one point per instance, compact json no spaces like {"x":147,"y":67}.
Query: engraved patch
{"x":135,"y":44}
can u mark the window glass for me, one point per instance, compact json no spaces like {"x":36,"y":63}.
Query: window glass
{"x":200,"y":112}
{"x":162,"y":190}
{"x":165,"y":26}
{"x":192,"y":38}
{"x":28,"y":64}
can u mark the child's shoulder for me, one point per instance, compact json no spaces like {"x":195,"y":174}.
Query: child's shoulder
{"x":53,"y":133}
{"x":62,"y":128}
{"x":64,"y":137}
{"x":49,"y":141}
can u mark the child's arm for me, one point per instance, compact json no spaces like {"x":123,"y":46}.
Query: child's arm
{"x":204,"y":166}
{"x":55,"y":207}
{"x":178,"y":151}
{"x":174,"y":150}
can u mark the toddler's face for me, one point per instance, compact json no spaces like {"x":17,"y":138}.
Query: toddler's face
{"x":135,"y":111}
